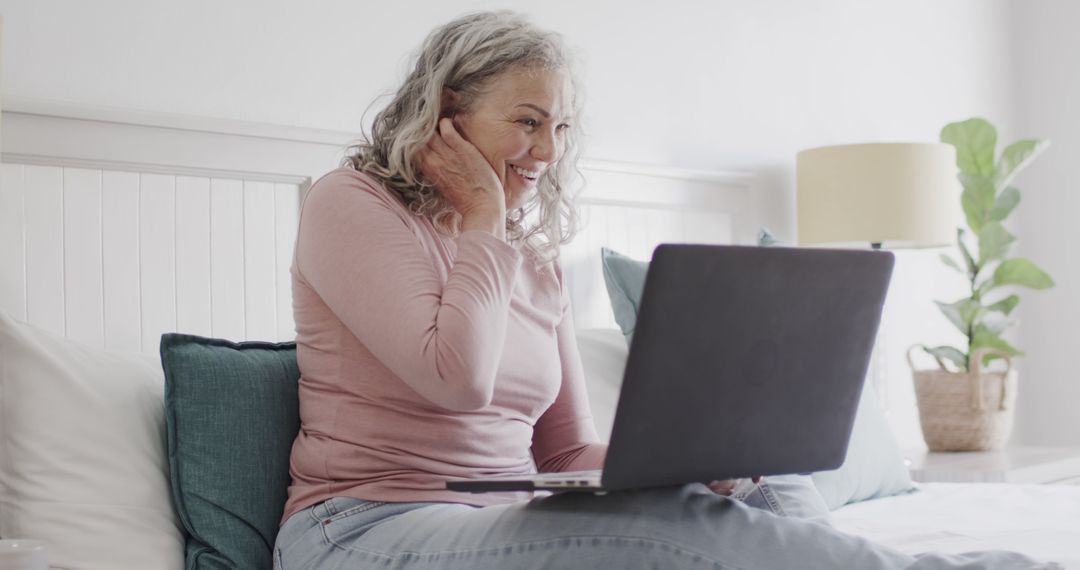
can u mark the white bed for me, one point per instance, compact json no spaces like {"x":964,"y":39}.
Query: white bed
{"x":1042,"y":521}
{"x":116,"y":227}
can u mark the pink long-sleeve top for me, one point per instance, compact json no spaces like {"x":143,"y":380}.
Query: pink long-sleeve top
{"x":425,"y":358}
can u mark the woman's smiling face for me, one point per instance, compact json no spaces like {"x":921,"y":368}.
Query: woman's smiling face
{"x":520,"y":123}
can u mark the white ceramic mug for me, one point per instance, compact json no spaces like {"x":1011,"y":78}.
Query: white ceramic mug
{"x":18,"y":554}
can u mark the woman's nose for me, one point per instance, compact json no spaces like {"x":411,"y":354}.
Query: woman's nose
{"x":546,"y":147}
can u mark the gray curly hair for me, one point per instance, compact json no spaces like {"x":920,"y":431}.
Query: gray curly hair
{"x":465,"y":55}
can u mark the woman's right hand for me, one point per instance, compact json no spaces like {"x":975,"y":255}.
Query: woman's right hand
{"x":726,"y":487}
{"x":465,"y":178}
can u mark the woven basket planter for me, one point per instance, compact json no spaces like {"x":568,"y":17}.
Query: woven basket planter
{"x":966,"y":411}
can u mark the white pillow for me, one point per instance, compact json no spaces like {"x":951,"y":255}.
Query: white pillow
{"x":82,"y":453}
{"x":603,"y":356}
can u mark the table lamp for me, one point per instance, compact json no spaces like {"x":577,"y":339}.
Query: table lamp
{"x":889,"y":195}
{"x":878,"y":195}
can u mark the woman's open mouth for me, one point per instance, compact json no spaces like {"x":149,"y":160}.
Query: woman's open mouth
{"x":528,"y":175}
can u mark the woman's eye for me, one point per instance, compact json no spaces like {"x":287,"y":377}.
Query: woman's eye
{"x":563,"y":127}
{"x":529,"y":122}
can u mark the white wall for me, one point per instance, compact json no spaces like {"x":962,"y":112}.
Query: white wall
{"x":1048,"y":88}
{"x":704,"y":84}
{"x":714,"y":85}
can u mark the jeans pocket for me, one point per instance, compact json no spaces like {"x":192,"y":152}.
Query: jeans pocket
{"x":344,"y":507}
{"x":743,"y":490}
{"x":348,"y":520}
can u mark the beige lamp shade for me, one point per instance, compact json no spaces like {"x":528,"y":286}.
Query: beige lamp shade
{"x":889,"y":194}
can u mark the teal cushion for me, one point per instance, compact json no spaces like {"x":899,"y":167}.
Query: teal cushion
{"x":874,"y":465}
{"x":231,"y":415}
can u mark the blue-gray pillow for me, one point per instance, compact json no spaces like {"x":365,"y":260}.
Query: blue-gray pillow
{"x":874,"y":465}
{"x":625,"y":280}
{"x":231,"y":415}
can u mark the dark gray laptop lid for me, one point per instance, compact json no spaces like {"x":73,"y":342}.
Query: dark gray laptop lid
{"x":745,"y":361}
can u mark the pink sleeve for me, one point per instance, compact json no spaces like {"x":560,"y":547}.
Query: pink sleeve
{"x":565,"y":438}
{"x":357,"y":251}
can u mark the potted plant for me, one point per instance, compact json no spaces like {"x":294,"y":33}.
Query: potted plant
{"x":962,"y":405}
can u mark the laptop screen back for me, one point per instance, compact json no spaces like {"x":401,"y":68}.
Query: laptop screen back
{"x":745,"y":361}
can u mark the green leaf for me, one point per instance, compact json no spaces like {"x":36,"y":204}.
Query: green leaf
{"x":977,"y":200}
{"x":961,"y":313}
{"x":1004,"y":204}
{"x":975,"y":141}
{"x":972,"y":211}
{"x":1017,"y":156}
{"x":948,"y":353}
{"x":983,"y":287}
{"x":968,"y":260}
{"x":985,"y":338}
{"x":994,"y":242}
{"x":995,"y":322}
{"x":951,"y":263}
{"x":1020,"y":271}
{"x":1005,"y":305}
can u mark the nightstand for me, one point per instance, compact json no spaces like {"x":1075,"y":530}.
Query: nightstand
{"x":1054,"y":465}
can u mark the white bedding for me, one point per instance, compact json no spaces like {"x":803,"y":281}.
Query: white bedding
{"x":1042,"y":521}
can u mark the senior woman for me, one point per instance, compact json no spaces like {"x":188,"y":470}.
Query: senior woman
{"x":435,"y":343}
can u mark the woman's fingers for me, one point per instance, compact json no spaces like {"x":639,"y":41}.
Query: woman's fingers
{"x":425,"y":159}
{"x":450,"y":135}
{"x":724,"y":487}
{"x":438,"y":143}
{"x":727,"y":486}
{"x":431,"y":166}
{"x":441,"y":148}
{"x":450,"y":139}
{"x":459,"y":171}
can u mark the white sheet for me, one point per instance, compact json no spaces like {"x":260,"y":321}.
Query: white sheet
{"x":1042,"y":521}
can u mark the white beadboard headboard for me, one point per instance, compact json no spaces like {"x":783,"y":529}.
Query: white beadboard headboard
{"x":114,"y":258}
{"x":117,"y":226}
{"x":632,"y":209}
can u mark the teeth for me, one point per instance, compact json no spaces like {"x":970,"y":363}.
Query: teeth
{"x":525,"y":173}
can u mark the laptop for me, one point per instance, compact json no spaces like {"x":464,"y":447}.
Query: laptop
{"x":745,"y":361}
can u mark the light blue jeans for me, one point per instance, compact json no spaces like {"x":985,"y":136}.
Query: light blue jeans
{"x":671,"y":528}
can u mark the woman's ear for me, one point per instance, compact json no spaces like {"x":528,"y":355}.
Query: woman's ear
{"x":449,"y":102}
